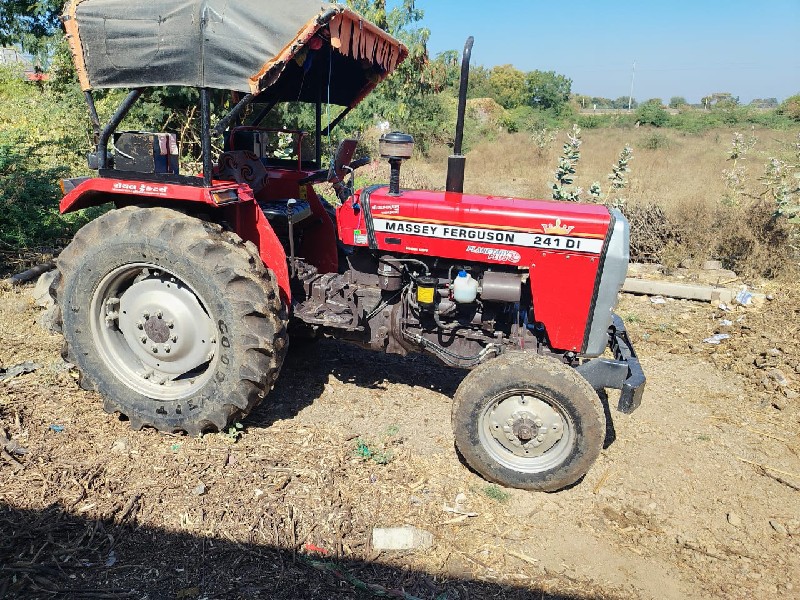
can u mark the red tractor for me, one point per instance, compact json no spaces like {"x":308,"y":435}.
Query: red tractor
{"x":176,"y":304}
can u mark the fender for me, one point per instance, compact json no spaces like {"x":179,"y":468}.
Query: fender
{"x":234,"y":201}
{"x":99,"y":190}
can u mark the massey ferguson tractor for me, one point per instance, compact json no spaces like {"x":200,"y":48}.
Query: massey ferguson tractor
{"x":176,"y":304}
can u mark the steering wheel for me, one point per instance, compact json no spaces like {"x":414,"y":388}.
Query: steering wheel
{"x":360,"y":162}
{"x":315,"y":177}
{"x":323,"y":175}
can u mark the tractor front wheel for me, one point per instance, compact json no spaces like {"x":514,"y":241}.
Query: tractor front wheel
{"x":528,"y":421}
{"x":173,"y":320}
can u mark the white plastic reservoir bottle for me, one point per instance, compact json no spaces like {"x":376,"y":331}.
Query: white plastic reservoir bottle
{"x":465,"y":288}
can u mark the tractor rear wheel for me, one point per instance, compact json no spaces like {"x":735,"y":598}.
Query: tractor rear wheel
{"x":173,"y":320}
{"x":528,"y":421}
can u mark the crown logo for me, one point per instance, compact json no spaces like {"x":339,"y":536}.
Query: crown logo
{"x":557,"y":228}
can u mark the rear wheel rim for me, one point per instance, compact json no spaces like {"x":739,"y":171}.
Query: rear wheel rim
{"x":526,"y":431}
{"x":153,"y":332}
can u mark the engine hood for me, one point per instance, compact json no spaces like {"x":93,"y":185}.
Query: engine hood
{"x":489,"y":229}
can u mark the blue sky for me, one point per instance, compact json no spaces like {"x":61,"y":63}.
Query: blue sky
{"x":681,"y":48}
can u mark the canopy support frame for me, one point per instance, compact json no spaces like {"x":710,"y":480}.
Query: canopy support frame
{"x":122,"y":111}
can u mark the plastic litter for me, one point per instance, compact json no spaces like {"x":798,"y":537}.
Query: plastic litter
{"x":401,"y":538}
{"x":14,"y":449}
{"x":317,"y":549}
{"x":745,"y":298}
{"x":725,"y":307}
{"x":20,"y":369}
{"x":57,"y":428}
{"x":726,"y":322}
{"x":658,"y":300}
{"x":717,"y":338}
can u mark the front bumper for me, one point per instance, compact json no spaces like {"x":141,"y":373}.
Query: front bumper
{"x":622,"y":373}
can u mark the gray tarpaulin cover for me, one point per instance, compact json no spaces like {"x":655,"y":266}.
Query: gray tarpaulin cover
{"x":243,"y":45}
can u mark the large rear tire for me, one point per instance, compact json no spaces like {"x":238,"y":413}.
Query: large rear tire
{"x":528,"y":421}
{"x":175,"y":321}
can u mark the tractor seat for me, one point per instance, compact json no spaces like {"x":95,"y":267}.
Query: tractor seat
{"x":243,"y":166}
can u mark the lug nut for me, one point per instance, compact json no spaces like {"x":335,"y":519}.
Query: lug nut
{"x":146,"y":315}
{"x":170,"y":324}
{"x":139,"y":325}
{"x":144,"y":339}
{"x":159,"y":314}
{"x":155,"y":349}
{"x":167,"y":348}
{"x":174,"y":339}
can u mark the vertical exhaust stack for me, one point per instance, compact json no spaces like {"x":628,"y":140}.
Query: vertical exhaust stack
{"x":456,"y":162}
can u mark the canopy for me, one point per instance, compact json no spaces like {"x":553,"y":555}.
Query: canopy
{"x":282,"y":50}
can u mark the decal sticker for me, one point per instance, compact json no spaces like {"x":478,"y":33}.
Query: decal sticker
{"x":497,"y":254}
{"x":142,"y":188}
{"x":359,"y":237}
{"x":557,"y":228}
{"x":386,"y":209}
{"x":504,"y":237}
{"x":302,"y":193}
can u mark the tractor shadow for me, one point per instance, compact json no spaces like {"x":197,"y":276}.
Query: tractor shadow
{"x":309,"y":366}
{"x":55,"y":553}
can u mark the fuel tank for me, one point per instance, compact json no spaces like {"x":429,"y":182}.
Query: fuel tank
{"x":563,"y":245}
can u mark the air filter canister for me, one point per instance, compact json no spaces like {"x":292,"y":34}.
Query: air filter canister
{"x":501,"y":287}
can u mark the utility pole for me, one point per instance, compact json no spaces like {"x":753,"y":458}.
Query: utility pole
{"x":633,"y":76}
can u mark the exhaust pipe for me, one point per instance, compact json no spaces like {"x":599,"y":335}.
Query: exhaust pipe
{"x":456,"y":162}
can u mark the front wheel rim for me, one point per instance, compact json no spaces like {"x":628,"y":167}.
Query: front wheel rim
{"x":526,"y":432}
{"x":153,"y":332}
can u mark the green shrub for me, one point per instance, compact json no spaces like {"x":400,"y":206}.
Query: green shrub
{"x":29,"y":197}
{"x":592,"y":121}
{"x":527,"y":118}
{"x":43,"y":138}
{"x":655,"y":141}
{"x":791,"y":107}
{"x":695,"y":121}
{"x":652,"y":113}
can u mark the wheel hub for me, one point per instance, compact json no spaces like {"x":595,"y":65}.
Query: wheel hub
{"x":165,"y":326}
{"x":157,"y":330}
{"x":524,"y":425}
{"x":525,"y":430}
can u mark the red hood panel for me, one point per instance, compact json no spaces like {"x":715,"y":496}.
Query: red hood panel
{"x":529,"y":215}
{"x":489,"y":229}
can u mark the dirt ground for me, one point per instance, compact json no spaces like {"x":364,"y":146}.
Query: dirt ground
{"x":697,"y":494}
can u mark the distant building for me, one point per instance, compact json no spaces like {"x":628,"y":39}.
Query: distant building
{"x":12,"y":56}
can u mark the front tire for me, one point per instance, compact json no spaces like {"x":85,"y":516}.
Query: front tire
{"x":528,"y":421}
{"x":173,"y":320}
